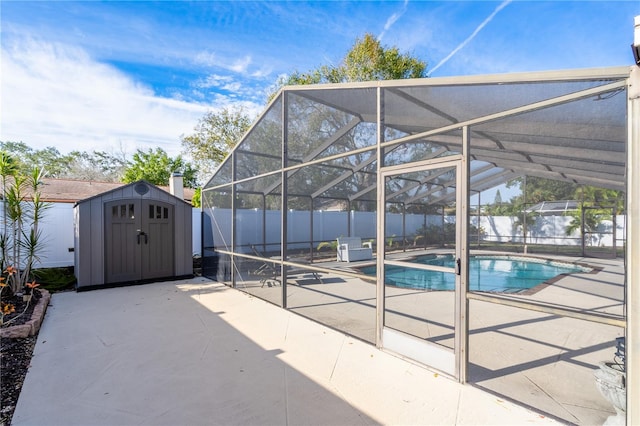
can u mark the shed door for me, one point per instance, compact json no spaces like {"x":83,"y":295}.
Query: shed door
{"x":139,"y":240}
{"x":157,"y":244}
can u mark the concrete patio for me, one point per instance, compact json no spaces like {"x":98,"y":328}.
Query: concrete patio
{"x":199,"y":353}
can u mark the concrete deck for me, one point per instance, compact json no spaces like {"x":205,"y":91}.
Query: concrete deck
{"x":543,"y":361}
{"x":199,"y":353}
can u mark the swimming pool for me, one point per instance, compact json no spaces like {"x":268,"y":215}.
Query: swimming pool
{"x":504,"y":274}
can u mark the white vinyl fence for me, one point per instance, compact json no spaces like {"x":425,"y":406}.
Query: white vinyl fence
{"x":57,"y":229}
{"x":57,"y":236}
{"x":548,"y":230}
{"x":329,"y":225}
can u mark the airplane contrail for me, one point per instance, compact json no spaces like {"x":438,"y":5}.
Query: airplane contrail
{"x":472,"y":36}
{"x":392,"y":20}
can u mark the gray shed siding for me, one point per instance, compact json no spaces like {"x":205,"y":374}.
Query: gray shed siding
{"x":89,"y":233}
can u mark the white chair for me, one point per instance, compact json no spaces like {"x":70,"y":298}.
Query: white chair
{"x":351,"y":249}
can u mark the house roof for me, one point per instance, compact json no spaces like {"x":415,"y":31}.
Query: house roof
{"x":554,"y":207}
{"x":71,"y":191}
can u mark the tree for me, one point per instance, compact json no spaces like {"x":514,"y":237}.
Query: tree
{"x":367,"y":60}
{"x":591,"y":198}
{"x":500,"y":208}
{"x":217,"y":132}
{"x":96,"y":166}
{"x":214,"y":137}
{"x":28,"y":158}
{"x":498,"y":199}
{"x":595,"y":203}
{"x":156,"y":167}
{"x":309,"y":123}
{"x":536,"y":190}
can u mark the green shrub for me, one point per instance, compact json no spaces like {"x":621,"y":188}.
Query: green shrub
{"x":55,"y":279}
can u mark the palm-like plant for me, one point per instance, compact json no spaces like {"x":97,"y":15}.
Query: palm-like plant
{"x":8,"y":168}
{"x":588,"y":216}
{"x":23,"y":208}
{"x":522,"y":219}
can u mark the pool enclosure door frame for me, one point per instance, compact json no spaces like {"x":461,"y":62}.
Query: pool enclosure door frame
{"x":451,"y":361}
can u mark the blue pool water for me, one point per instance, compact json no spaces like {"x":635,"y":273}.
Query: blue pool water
{"x":505,"y":274}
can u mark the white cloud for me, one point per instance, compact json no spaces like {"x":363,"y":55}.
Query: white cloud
{"x":56,"y":95}
{"x":212,"y":60}
{"x":232,"y":87}
{"x":241,"y":65}
{"x":214,"y":80}
{"x":226,"y":89}
{"x":207,"y":59}
{"x":262,"y":73}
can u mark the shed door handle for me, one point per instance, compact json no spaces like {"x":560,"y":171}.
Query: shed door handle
{"x":142,"y":233}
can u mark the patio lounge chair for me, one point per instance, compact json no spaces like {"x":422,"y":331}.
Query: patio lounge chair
{"x":271,"y":273}
{"x":267,"y":270}
{"x":351,"y":249}
{"x":300,"y":270}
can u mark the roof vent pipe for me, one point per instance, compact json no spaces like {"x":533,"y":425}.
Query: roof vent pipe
{"x":176,"y":185}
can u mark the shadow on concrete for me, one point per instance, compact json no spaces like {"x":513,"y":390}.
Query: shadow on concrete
{"x":154,"y":355}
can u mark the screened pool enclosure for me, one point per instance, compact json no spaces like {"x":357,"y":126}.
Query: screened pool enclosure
{"x":394,"y":171}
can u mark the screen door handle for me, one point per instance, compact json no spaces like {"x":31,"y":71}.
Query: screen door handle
{"x":458,"y":266}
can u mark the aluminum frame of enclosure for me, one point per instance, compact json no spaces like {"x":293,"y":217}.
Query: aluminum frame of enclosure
{"x":465,"y":109}
{"x":633,"y":249}
{"x":453,"y":362}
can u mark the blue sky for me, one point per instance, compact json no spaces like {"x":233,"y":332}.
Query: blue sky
{"x":118,"y":76}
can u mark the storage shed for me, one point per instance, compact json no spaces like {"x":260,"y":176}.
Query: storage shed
{"x":133,"y":234}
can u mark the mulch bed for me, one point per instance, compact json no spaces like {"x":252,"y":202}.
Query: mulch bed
{"x":15,"y":359}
